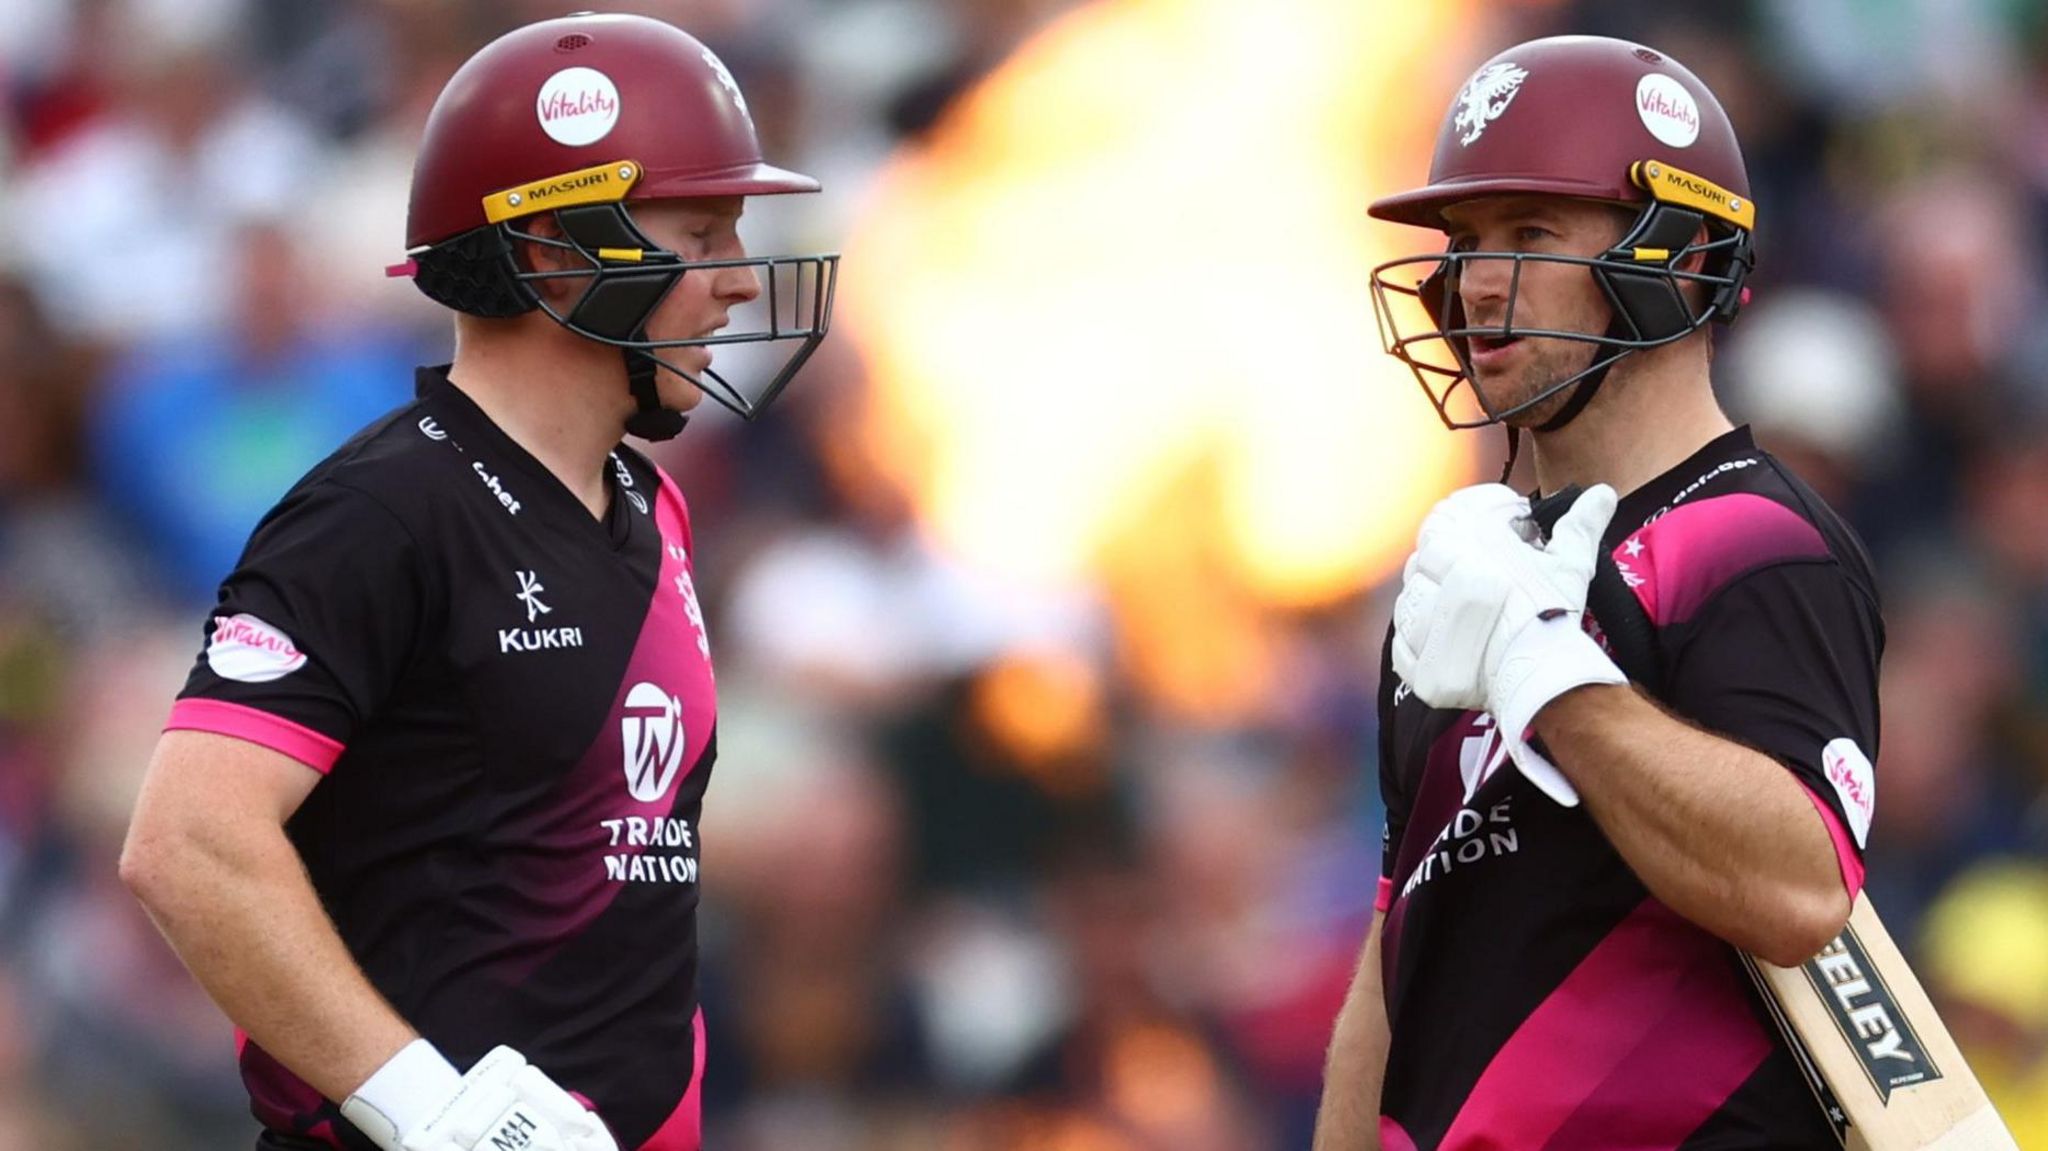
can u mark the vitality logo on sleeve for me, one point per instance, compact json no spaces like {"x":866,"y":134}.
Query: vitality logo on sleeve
{"x":247,"y":649}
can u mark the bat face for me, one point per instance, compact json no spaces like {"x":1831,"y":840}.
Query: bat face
{"x":1868,"y":1016}
{"x":1879,"y":1059}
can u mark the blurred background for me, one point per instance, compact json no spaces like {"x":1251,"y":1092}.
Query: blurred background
{"x":1047,"y":603}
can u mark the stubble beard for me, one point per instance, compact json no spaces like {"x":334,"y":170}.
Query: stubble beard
{"x":1551,"y":361}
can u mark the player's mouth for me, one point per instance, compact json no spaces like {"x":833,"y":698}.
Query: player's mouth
{"x":1489,"y":350}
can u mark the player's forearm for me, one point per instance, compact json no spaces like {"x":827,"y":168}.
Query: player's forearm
{"x":1349,"y":1116}
{"x":1722,"y":834}
{"x":237,"y":907}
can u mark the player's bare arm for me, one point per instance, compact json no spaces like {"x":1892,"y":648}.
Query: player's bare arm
{"x":1349,"y":1117}
{"x":207,"y":856}
{"x":1723,"y":834}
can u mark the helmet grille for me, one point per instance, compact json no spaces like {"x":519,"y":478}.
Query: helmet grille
{"x":1648,"y":57}
{"x":571,"y":42}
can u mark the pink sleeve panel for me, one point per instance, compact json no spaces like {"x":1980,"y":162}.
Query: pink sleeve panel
{"x":1384,"y":898}
{"x":258,"y":727}
{"x":1845,"y":846}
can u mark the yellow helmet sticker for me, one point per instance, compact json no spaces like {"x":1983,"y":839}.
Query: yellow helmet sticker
{"x":1669,"y":185}
{"x":601,"y":184}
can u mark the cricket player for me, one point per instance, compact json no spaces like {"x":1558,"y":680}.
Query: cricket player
{"x":424,"y":820}
{"x":1569,"y":867}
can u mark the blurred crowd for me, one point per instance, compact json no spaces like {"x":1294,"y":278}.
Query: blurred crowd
{"x":966,"y":887}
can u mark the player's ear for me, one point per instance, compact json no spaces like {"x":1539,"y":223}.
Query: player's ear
{"x":543,"y":257}
{"x":1696,"y":257}
{"x":1696,"y":292}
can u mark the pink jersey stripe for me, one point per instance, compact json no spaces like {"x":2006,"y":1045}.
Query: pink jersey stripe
{"x":1384,"y":898}
{"x":1641,"y":1043}
{"x":1393,"y":1138}
{"x":684,"y":1128}
{"x":1845,"y":846}
{"x":1676,"y":563}
{"x":258,"y":727}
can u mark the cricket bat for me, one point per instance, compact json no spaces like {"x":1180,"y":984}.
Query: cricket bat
{"x":1883,"y":1068}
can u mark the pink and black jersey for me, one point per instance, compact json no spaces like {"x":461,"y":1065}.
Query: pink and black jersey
{"x":512,"y":709}
{"x":1538,"y":996}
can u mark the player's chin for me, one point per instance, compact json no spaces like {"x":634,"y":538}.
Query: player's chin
{"x":680,"y":395}
{"x":1502,"y":390}
{"x":677,"y":392}
{"x":1541,"y":412}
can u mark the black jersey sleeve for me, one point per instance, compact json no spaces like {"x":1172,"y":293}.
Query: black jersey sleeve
{"x":1785,"y":660}
{"x":1392,"y":797}
{"x":312,"y":629}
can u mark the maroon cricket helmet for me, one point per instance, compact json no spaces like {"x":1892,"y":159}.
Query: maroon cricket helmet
{"x":580,"y":118}
{"x":565,"y":95}
{"x":1571,"y":116}
{"x":1591,"y":118}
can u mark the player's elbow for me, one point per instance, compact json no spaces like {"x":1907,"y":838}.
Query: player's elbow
{"x":1808,"y":922}
{"x":158,"y":859}
{"x":145,"y":867}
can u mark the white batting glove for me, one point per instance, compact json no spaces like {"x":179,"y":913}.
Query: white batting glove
{"x":1489,"y":618}
{"x":417,"y":1102}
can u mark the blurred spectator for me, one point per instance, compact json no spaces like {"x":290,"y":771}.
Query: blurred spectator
{"x":1948,"y":792}
{"x":1982,"y":948}
{"x":61,"y":566}
{"x":197,"y":435}
{"x":137,"y":209}
{"x":1815,"y":374}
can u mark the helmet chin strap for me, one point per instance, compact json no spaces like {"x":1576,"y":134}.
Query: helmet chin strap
{"x":649,"y":421}
{"x":1582,"y":393}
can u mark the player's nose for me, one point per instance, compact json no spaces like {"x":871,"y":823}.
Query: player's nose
{"x":739,"y":285}
{"x":1483,"y":284}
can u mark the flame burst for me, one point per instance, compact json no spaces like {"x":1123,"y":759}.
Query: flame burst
{"x":1116,"y":311}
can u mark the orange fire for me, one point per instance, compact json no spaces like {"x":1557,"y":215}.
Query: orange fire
{"x":1117,"y":316}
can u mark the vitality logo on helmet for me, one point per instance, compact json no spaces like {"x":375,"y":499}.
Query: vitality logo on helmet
{"x":578,"y":106}
{"x":1668,"y":110}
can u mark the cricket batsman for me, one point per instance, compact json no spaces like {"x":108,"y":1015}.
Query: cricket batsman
{"x":424,"y":819}
{"x":1570,"y":867}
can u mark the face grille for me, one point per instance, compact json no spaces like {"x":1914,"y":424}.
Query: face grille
{"x":571,"y":42}
{"x":1648,"y":57}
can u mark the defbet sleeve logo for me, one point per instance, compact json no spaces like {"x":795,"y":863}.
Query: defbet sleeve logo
{"x":651,"y":738}
{"x":248,"y":650}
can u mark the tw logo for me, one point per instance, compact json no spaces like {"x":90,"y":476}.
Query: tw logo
{"x":651,"y":740}
{"x":1480,"y":755}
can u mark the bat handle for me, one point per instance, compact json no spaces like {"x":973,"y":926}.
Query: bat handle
{"x":1631,"y":635}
